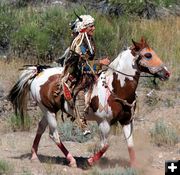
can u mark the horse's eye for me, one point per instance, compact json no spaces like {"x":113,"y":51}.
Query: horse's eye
{"x":148,"y":55}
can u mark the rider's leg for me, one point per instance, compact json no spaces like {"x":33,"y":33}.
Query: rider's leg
{"x":80,"y":111}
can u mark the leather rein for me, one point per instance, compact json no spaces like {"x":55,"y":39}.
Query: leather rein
{"x":148,"y":76}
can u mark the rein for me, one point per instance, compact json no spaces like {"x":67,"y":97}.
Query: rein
{"x":148,"y":76}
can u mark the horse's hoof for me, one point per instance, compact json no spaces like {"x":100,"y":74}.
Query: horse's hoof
{"x":86,"y":132}
{"x":73,"y":164}
{"x":34,"y":157}
{"x":134,"y":165}
{"x":90,"y":161}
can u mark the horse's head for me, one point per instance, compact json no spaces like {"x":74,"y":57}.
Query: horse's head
{"x":148,"y":61}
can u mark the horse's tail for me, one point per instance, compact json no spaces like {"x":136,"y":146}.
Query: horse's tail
{"x":18,"y":93}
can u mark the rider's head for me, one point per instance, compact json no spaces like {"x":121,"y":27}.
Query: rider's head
{"x":84,"y":23}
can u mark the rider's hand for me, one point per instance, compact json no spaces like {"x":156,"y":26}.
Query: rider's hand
{"x":104,"y":61}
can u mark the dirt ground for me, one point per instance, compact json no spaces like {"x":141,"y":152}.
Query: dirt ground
{"x":15,"y":146}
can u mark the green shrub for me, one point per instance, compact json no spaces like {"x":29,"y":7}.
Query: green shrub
{"x":26,"y":171}
{"x":7,"y":26}
{"x":5,"y":168}
{"x":43,"y":33}
{"x":105,"y":33}
{"x":113,"y":171}
{"x":135,"y":5}
{"x":15,"y":123}
{"x":161,"y":134}
{"x":166,"y":3}
{"x":71,"y":132}
{"x":152,"y":98}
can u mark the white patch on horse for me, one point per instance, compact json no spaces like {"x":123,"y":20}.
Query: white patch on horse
{"x":124,"y":63}
{"x":103,"y":93}
{"x":104,"y":128}
{"x":128,"y":135}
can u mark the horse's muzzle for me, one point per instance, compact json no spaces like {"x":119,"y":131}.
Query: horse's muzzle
{"x":163,"y":74}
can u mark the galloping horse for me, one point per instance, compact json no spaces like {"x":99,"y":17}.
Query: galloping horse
{"x":113,"y":96}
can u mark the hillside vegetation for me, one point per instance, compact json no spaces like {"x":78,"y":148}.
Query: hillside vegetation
{"x":41,"y":32}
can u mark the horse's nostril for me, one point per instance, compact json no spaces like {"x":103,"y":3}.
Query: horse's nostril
{"x":168,"y":74}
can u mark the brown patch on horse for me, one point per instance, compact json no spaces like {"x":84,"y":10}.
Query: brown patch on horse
{"x":47,"y":93}
{"x":94,"y":103}
{"x":120,"y":111}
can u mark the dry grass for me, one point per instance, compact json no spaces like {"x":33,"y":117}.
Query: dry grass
{"x":163,"y":37}
{"x":9,"y":70}
{"x":113,"y":171}
{"x":162,"y":134}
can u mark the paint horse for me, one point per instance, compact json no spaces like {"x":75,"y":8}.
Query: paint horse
{"x":113,"y":97}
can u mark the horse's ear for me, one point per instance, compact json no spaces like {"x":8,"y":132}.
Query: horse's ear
{"x":143,"y":42}
{"x":137,"y":46}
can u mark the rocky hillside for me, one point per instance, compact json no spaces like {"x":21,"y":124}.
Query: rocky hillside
{"x":148,"y":9}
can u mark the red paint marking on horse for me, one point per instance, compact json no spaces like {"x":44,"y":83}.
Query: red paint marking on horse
{"x":98,"y":155}
{"x":132,"y":156}
{"x":35,"y":146}
{"x":68,"y":155}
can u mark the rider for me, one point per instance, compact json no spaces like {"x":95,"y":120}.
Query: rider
{"x":83,"y":45}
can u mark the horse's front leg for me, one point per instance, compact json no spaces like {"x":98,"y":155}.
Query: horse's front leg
{"x":104,"y":128}
{"x":41,"y":128}
{"x":54,"y":135}
{"x":127,"y":129}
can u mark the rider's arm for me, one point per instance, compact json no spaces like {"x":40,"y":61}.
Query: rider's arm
{"x":102,"y":61}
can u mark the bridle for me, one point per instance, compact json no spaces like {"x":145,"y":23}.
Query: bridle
{"x":149,"y":76}
{"x":128,"y":75}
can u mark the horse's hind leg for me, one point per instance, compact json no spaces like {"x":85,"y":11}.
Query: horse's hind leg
{"x":127,"y":129}
{"x":41,"y":128}
{"x":54,"y":135}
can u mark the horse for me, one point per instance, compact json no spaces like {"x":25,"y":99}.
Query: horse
{"x":113,"y":97}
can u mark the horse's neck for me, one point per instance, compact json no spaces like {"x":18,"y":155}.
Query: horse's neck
{"x":123,"y":63}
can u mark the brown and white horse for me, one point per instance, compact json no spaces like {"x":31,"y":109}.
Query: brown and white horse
{"x":112,"y":99}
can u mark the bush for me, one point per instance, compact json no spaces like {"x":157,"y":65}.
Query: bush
{"x":114,"y":171}
{"x":5,"y":168}
{"x":71,"y":132}
{"x":161,"y":134}
{"x":43,"y":33}
{"x":7,"y":26}
{"x":15,"y":123}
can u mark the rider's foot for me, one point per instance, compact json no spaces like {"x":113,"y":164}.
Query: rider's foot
{"x":86,"y":132}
